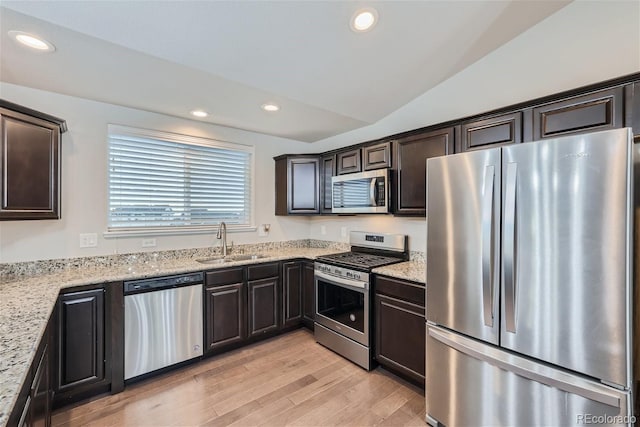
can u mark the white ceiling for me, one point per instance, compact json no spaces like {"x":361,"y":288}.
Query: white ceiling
{"x":230,"y":57}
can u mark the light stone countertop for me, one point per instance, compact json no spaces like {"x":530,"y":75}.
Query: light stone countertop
{"x":26,"y":302}
{"x":415,"y":271}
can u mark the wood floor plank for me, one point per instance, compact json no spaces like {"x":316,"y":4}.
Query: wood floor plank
{"x":287,"y":380}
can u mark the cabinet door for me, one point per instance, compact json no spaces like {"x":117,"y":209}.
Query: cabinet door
{"x":593,"y":112}
{"x":328,"y":164}
{"x":30,"y":162}
{"x":291,"y":293}
{"x":400,"y":336}
{"x":413,"y":152}
{"x":263,"y":306}
{"x":308,"y":295}
{"x":225,"y":315}
{"x":348,"y":161}
{"x":377,"y":156}
{"x":304,"y":186}
{"x":491,"y":132}
{"x":81,"y":331}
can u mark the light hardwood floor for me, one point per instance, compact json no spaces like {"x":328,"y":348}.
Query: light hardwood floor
{"x":287,"y":380}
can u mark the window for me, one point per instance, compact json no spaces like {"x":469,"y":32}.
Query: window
{"x":163,"y":181}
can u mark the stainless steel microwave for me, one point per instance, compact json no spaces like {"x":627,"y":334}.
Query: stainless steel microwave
{"x":364,"y":192}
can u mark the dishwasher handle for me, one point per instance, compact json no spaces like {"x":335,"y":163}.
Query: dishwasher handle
{"x":158,"y":283}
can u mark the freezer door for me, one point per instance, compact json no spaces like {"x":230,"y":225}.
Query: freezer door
{"x":463,"y":242}
{"x":567,"y":235}
{"x":470,"y":383}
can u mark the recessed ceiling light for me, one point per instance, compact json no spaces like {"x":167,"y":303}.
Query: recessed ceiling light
{"x":32,"y":41}
{"x":270,"y":107}
{"x":364,"y":19}
{"x":199,"y":113}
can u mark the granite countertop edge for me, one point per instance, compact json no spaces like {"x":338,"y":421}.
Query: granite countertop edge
{"x":28,"y":301}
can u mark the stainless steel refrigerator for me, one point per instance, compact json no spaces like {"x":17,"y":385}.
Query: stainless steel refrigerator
{"x":530,"y":283}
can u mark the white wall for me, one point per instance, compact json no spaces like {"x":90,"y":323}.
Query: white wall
{"x":84,"y":181}
{"x":583,"y":43}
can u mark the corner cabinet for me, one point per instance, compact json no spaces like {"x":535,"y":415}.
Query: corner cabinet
{"x":291,"y":293}
{"x":297,"y":185}
{"x":412,"y":153}
{"x":30,"y":163}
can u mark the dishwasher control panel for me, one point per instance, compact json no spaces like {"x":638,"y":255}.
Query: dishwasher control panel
{"x":158,"y":283}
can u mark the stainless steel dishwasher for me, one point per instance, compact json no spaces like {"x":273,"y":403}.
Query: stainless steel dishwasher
{"x":162,"y":322}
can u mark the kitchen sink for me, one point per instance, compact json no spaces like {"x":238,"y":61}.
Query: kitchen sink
{"x":229,"y":258}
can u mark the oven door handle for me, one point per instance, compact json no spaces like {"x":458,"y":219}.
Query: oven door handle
{"x":355,"y":284}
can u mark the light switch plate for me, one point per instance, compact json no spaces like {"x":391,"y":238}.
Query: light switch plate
{"x":88,"y":240}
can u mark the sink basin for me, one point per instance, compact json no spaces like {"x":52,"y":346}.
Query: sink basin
{"x":229,"y":258}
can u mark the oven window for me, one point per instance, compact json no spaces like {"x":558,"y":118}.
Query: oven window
{"x":342,"y":305}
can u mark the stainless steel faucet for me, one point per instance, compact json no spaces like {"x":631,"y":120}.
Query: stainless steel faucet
{"x":222,"y":234}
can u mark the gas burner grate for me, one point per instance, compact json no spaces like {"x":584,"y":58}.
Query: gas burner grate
{"x":359,"y":260}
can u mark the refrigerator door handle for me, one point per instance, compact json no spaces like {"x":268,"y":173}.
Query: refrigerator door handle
{"x":487,"y":244}
{"x":509,"y":246}
{"x":527,"y":369}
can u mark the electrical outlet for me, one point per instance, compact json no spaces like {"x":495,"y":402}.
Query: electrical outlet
{"x":88,"y":240}
{"x":148,"y":243}
{"x":323,"y":230}
{"x":343,"y":231}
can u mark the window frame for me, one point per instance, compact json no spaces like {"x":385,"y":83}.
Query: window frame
{"x":181,"y":139}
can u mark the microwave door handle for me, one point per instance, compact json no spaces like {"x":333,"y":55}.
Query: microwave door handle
{"x":372,"y":192}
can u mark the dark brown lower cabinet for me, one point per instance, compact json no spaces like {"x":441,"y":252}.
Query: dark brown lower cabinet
{"x":291,"y":293}
{"x":308,"y":294}
{"x":400,"y":327}
{"x":225,"y":316}
{"x":81,"y":331}
{"x":33,"y":405}
{"x":262,"y":306}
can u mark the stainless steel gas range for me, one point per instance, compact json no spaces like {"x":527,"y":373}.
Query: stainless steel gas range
{"x":343,"y":287}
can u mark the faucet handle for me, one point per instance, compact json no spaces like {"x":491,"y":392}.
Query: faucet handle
{"x":230,"y":249}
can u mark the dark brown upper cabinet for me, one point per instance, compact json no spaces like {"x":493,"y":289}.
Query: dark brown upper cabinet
{"x":377,"y":156}
{"x":349,"y":161}
{"x":30,"y":163}
{"x":490,"y":132}
{"x":412,"y":154}
{"x":297,"y":185}
{"x":632,"y":108}
{"x":327,"y":170}
{"x":596,"y":111}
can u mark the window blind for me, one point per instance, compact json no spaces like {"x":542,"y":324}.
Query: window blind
{"x":161,"y":180}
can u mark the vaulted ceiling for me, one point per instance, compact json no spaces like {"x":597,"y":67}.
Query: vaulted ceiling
{"x":230,"y":57}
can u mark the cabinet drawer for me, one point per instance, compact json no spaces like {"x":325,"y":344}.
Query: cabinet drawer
{"x":224,"y":277}
{"x":261,"y":271}
{"x":404,"y":290}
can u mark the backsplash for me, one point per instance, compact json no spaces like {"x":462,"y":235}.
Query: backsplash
{"x":55,"y":265}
